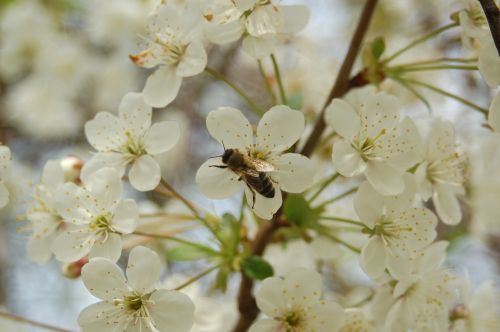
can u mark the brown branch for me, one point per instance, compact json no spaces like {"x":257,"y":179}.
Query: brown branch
{"x":246,"y":302}
{"x":342,"y":85}
{"x":492,"y":14}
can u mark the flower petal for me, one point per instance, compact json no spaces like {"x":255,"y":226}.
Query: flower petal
{"x":126,"y":216}
{"x":230,"y":128}
{"x":326,"y":317}
{"x":38,"y":249}
{"x":106,"y":186}
{"x":265,"y":325}
{"x":447,"y":205}
{"x":97,"y":312}
{"x":172,"y":311}
{"x":162,"y":87}
{"x":440,"y":140}
{"x":259,"y":47}
{"x":4,"y":195}
{"x":144,"y":175}
{"x":68,"y":203}
{"x":104,"y":279}
{"x":193,"y":61}
{"x":104,"y":159}
{"x":280,"y":128}
{"x":72,"y":245}
{"x":162,"y":137}
{"x":217,"y":183}
{"x":264,"y":207}
{"x":269,"y":296}
{"x":105,"y":132}
{"x":143,"y":269}
{"x":295,"y":18}
{"x":135,"y":113}
{"x":373,"y":257}
{"x":489,"y":62}
{"x":494,"y":113}
{"x":369,"y":204}
{"x":264,"y":20}
{"x":111,"y":248}
{"x":303,"y":286}
{"x":346,"y":159}
{"x":52,"y":175}
{"x":295,"y":172}
{"x":342,"y":117}
{"x":385,"y":178}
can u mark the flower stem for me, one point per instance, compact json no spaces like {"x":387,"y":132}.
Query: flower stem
{"x":436,"y":61}
{"x":277,"y":73}
{"x":218,"y":76}
{"x":447,"y":94}
{"x":345,"y":220}
{"x":340,"y":241}
{"x":419,"y":41}
{"x":175,"y":239}
{"x":338,"y":197}
{"x":269,"y":88}
{"x":196,"y":277}
{"x":325,"y":184}
{"x":21,"y":319}
{"x":425,"y":68}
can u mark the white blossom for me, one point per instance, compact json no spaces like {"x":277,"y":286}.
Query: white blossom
{"x":174,"y":46}
{"x":5,"y":164}
{"x":373,"y":140}
{"x":356,"y":321}
{"x":133,"y":303}
{"x":130,"y":139}
{"x":294,"y":303}
{"x":494,"y":113}
{"x":442,"y":173}
{"x":260,"y":22}
{"x":277,"y":131}
{"x":95,"y":216}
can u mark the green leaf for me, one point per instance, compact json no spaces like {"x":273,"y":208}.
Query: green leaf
{"x":298,"y":212}
{"x":186,"y":252}
{"x":256,"y":267}
{"x":378,"y":47}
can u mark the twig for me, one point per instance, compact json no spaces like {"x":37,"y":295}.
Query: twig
{"x":196,"y":277}
{"x":277,"y":73}
{"x":492,"y":14}
{"x":269,"y":88}
{"x":21,"y":319}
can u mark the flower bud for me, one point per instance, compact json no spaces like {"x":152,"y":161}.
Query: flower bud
{"x":72,"y":167}
{"x":74,"y":270}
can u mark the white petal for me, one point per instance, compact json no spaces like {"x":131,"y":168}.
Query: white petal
{"x":244,"y":5}
{"x":489,"y":62}
{"x":264,"y":207}
{"x":280,"y":128}
{"x":303,"y":286}
{"x":373,"y":257}
{"x":104,"y":279}
{"x":172,"y":311}
{"x":162,"y":137}
{"x":265,"y":325}
{"x":52,"y":175}
{"x":385,"y":178}
{"x":105,"y":132}
{"x":342,"y":117}
{"x":135,"y":113}
{"x":143,"y":269}
{"x":126,"y":216}
{"x":494,"y":113}
{"x":417,"y":230}
{"x":144,"y":175}
{"x":217,"y":183}
{"x":269,"y":296}
{"x":380,"y":112}
{"x":162,"y":87}
{"x":432,"y":257}
{"x":404,"y":200}
{"x":104,"y":159}
{"x":440,"y":141}
{"x":369,"y":204}
{"x":4,"y":195}
{"x":264,"y":20}
{"x":110,"y":249}
{"x":326,"y":317}
{"x":106,"y":186}
{"x":38,"y":249}
{"x":70,"y":246}
{"x":295,"y":172}
{"x":193,"y":61}
{"x":295,"y":18}
{"x":97,"y":312}
{"x":224,"y":33}
{"x":230,"y":127}
{"x":446,"y":203}
{"x":70,"y":203}
{"x":346,"y":159}
{"x":259,"y":47}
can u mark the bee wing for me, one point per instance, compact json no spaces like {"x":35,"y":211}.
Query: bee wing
{"x":251,"y":172}
{"x":262,"y":166}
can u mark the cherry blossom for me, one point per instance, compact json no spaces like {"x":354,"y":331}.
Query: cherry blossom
{"x":133,"y":303}
{"x":174,"y":46}
{"x":95,"y":217}
{"x":130,"y":139}
{"x":373,"y":140}
{"x":294,"y":303}
{"x":277,"y":132}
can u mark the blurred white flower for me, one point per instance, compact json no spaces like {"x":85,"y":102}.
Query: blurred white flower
{"x":277,"y":131}
{"x":442,"y":173}
{"x":96,"y":217}
{"x":130,"y":139}
{"x":133,"y":303}
{"x":356,"y":321}
{"x":494,"y":113}
{"x":373,"y":141}
{"x":259,"y":22}
{"x":396,"y":228}
{"x":5,"y":164}
{"x":489,"y":61}
{"x":174,"y":45}
{"x":294,"y":303}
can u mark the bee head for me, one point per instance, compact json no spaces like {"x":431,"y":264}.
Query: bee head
{"x":226,"y":155}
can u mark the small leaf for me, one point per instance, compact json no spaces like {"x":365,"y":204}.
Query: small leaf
{"x":256,"y":267}
{"x":378,"y":47}
{"x":186,"y":252}
{"x":298,"y":211}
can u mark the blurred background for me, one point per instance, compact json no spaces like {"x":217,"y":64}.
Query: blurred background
{"x":62,"y":61}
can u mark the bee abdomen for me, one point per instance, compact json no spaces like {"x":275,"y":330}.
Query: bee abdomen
{"x":267,"y":186}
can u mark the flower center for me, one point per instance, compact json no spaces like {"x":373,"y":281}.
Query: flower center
{"x":366,"y":148}
{"x":102,"y":224}
{"x":133,"y":145}
{"x":171,"y":52}
{"x":389,"y":229}
{"x":450,"y":170}
{"x":134,"y":304}
{"x":292,"y":320}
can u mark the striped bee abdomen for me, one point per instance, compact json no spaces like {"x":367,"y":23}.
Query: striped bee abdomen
{"x":267,"y":185}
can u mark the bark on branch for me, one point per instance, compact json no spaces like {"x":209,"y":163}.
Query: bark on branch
{"x":492,"y":14}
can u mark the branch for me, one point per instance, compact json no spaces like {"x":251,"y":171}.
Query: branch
{"x":492,"y":14}
{"x":246,"y":302}
{"x":31,"y":322}
{"x":342,"y":85}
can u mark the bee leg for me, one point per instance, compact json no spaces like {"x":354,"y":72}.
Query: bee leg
{"x":218,"y":166}
{"x":253,"y":196}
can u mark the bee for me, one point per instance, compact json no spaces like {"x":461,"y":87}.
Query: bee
{"x":250,"y":170}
